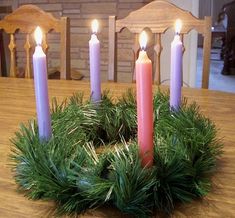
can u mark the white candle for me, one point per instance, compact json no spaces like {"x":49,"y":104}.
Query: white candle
{"x":41,"y":88}
{"x":176,"y":68}
{"x":94,"y":50}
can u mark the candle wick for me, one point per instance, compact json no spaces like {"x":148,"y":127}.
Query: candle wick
{"x":177,"y":33}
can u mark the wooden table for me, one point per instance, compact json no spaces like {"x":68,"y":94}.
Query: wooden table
{"x":17,"y":104}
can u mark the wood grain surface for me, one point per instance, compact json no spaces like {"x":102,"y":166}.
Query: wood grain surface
{"x":17,"y":104}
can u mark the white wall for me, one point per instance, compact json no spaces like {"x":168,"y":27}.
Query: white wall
{"x":190,"y":43}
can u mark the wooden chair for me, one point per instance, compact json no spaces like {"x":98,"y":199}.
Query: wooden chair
{"x":25,"y":19}
{"x":158,"y":16}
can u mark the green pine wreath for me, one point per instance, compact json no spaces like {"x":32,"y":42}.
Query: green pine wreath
{"x":92,"y":158}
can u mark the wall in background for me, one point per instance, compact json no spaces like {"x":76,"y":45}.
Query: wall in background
{"x":211,"y":8}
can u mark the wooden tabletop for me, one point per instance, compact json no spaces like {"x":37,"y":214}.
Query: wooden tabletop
{"x":17,"y":104}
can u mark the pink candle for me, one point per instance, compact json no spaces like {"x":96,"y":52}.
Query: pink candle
{"x":176,"y":68}
{"x":144,"y":104}
{"x":41,"y":88}
{"x":94,"y":50}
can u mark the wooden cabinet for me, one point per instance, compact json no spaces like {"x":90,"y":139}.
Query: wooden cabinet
{"x":229,"y":45}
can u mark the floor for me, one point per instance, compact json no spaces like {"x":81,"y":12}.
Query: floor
{"x":217,"y":80}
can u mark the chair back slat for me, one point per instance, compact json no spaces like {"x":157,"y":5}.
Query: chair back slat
{"x":112,"y":76}
{"x":45,"y":46}
{"x":65,"y":49}
{"x":12,"y":48}
{"x":206,"y":54}
{"x":182,"y":40}
{"x":135,"y":49}
{"x":157,"y":51}
{"x":27,"y":47}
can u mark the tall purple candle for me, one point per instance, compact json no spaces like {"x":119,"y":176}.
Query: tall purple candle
{"x":176,"y":68}
{"x":94,"y":50}
{"x":41,"y":88}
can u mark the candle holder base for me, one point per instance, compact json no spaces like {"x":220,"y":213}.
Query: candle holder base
{"x":93,"y":159}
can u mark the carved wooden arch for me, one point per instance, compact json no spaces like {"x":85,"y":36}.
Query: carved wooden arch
{"x":159,"y":16}
{"x":25,"y":19}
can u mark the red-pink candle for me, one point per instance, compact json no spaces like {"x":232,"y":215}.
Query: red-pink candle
{"x":144,"y":104}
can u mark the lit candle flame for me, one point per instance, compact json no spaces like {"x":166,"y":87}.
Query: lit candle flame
{"x":178,"y":26}
{"x":143,"y":40}
{"x":94,"y":26}
{"x":38,"y":35}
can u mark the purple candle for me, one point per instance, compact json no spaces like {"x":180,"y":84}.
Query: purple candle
{"x":41,"y":88}
{"x":94,"y":50}
{"x":176,"y":68}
